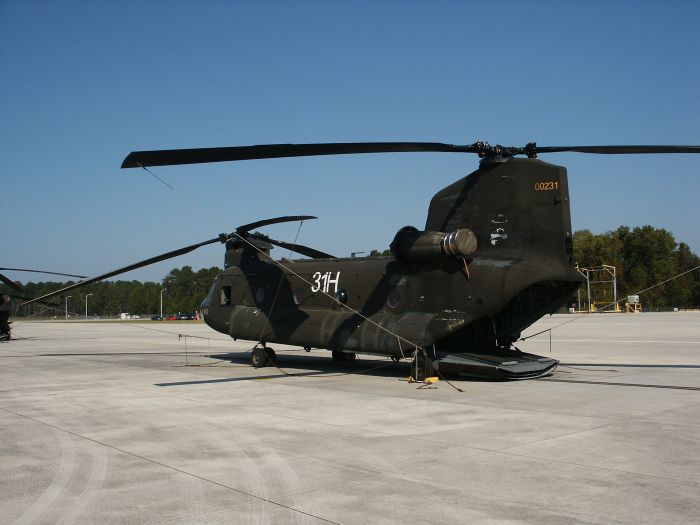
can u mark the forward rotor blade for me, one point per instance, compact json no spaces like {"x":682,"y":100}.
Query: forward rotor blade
{"x":298,"y":248}
{"x":9,"y":282}
{"x":173,"y":157}
{"x":44,"y":271}
{"x":276,"y":220}
{"x":619,"y":150}
{"x":152,"y":260}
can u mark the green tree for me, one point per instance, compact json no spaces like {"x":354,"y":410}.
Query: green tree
{"x":643,"y":256}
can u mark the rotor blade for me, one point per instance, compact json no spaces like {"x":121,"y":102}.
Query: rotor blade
{"x":43,"y":271}
{"x":276,"y":220}
{"x":19,"y":289}
{"x":152,"y":260}
{"x":172,"y":157}
{"x":619,"y":150}
{"x":299,"y":248}
{"x":9,"y":282}
{"x":45,"y":303}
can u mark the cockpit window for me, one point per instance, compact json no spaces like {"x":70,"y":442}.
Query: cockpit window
{"x":225,"y":296}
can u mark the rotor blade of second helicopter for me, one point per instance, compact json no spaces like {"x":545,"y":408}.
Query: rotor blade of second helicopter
{"x":135,"y":266}
{"x":9,"y":282}
{"x":22,"y":292}
{"x":46,"y":272}
{"x":45,"y":303}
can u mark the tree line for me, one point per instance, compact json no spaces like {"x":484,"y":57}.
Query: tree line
{"x":643,"y":256}
{"x":183,"y":291}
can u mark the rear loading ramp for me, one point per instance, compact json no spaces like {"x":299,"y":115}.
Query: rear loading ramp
{"x":496,"y":365}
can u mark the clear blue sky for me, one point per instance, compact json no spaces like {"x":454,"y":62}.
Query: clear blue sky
{"x":84,"y":83}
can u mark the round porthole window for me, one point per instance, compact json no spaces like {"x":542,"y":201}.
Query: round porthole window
{"x":342,"y":295}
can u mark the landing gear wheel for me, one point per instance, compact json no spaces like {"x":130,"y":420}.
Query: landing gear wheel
{"x":258,"y":357}
{"x":261,"y":357}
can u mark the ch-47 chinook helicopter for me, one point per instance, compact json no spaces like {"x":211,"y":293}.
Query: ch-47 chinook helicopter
{"x":495,"y":255}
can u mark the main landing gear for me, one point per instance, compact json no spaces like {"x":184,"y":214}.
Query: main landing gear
{"x":422,"y":366}
{"x":262,"y":356}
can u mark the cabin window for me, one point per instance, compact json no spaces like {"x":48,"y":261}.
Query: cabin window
{"x":225,"y":296}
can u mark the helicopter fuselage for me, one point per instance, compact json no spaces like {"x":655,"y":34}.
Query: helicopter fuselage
{"x":522,"y":269}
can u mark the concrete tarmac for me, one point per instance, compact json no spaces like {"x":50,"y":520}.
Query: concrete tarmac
{"x":126,"y":422}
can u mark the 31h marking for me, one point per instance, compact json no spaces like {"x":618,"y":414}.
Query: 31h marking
{"x":323,"y":282}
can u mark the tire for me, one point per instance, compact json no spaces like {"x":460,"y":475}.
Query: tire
{"x":259,"y":358}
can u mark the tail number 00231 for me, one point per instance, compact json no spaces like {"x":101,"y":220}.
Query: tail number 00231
{"x":547,"y":186}
{"x":323,"y":282}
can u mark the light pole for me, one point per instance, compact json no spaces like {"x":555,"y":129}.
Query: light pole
{"x":67,"y":305}
{"x":161,"y":301}
{"x":88,"y":295}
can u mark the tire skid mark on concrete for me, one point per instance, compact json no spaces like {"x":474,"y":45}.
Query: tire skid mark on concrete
{"x":256,"y":476}
{"x":53,"y":492}
{"x":263,"y":500}
{"x":293,"y":482}
{"x":255,"y":483}
{"x":98,"y":474}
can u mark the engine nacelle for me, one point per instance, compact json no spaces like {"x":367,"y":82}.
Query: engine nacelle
{"x":412,"y":245}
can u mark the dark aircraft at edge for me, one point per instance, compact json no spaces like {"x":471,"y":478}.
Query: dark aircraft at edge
{"x":494,"y":256}
{"x":18,"y":292}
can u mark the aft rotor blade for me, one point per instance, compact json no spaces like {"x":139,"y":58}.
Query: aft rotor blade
{"x":619,"y":150}
{"x":173,"y":157}
{"x":9,"y":282}
{"x":299,"y":248}
{"x":276,"y":220}
{"x":44,"y":271}
{"x":135,"y":266}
